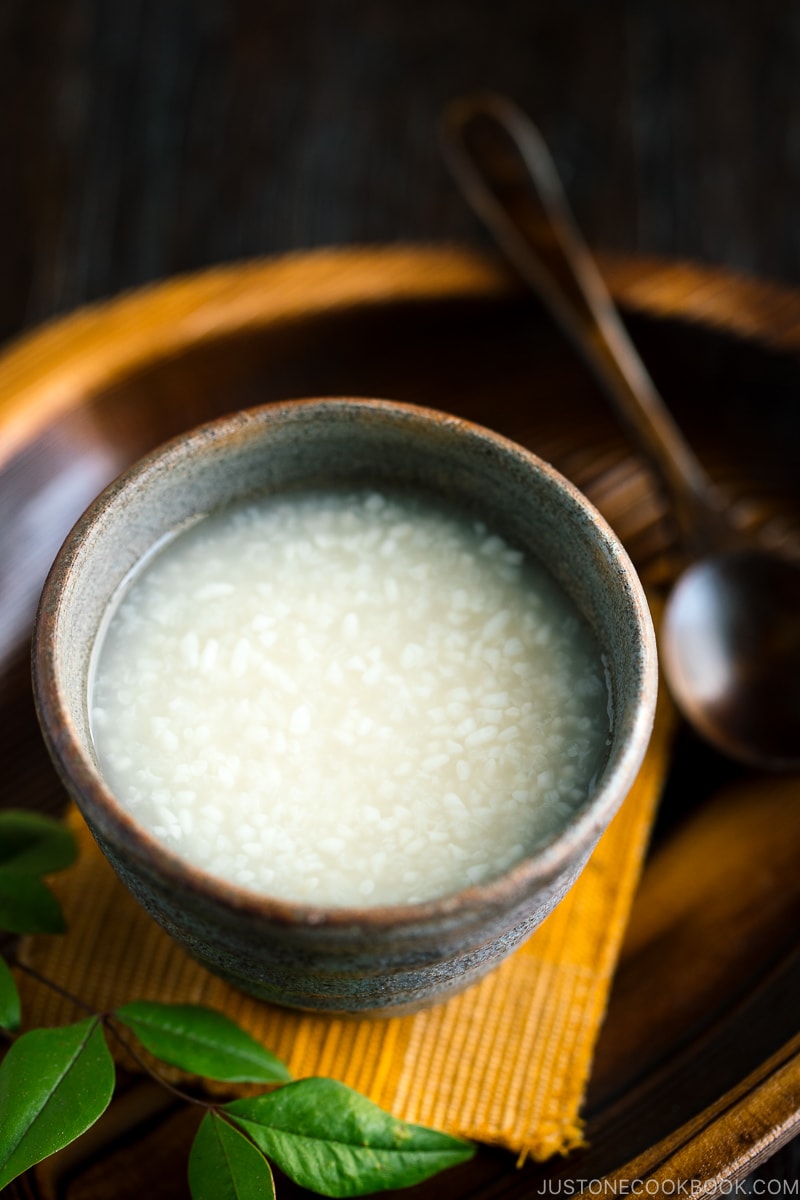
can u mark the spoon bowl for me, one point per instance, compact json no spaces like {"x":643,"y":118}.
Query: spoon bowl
{"x":730,"y":640}
{"x":732,"y":629}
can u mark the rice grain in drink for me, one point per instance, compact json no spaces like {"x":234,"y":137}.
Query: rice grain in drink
{"x":348,"y":698}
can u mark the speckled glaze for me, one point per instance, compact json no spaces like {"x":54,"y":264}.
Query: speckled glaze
{"x":345,"y":960}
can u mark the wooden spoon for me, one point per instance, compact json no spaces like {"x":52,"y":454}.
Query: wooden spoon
{"x":730,"y":638}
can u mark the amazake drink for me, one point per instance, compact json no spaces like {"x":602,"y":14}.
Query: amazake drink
{"x":348,"y":698}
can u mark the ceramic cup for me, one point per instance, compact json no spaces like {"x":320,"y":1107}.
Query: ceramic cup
{"x":345,"y":960}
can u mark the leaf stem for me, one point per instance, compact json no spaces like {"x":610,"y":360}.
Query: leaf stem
{"x":151,"y":1071}
{"x":108,"y":1023}
{"x":55,"y":987}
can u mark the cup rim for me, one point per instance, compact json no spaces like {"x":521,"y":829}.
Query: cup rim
{"x":106,"y":814}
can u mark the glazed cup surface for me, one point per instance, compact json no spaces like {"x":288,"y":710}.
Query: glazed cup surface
{"x":349,"y":960}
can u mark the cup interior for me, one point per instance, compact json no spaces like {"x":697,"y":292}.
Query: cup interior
{"x":331,"y":443}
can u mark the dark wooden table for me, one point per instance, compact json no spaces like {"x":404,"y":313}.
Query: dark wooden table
{"x":156,"y":136}
{"x":150,"y":137}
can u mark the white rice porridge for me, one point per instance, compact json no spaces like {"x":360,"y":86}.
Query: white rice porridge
{"x":347,"y":698}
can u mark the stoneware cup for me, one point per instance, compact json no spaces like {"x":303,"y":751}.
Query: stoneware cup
{"x":349,"y":960}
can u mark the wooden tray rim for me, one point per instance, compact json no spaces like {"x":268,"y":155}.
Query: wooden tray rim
{"x":48,"y":370}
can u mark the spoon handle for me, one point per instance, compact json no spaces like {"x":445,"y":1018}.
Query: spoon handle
{"x":506,"y":173}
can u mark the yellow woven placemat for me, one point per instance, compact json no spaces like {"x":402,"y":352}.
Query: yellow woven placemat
{"x":504,"y":1063}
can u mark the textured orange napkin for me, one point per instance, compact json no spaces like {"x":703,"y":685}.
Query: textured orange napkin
{"x":504,"y":1063}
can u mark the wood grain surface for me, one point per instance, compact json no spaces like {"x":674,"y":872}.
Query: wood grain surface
{"x":152,"y":137}
{"x":697,"y":1074}
{"x":157,"y":136}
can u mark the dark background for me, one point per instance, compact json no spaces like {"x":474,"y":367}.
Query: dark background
{"x":140,"y":138}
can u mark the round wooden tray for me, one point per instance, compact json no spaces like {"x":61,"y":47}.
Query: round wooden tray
{"x":697,"y":1073}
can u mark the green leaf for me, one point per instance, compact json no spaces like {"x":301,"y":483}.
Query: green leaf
{"x":32,"y":844}
{"x":27,"y":905}
{"x":54,"y":1084}
{"x":225,"y":1165}
{"x":202,"y":1041}
{"x":9,"y":998}
{"x":330,"y":1139}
